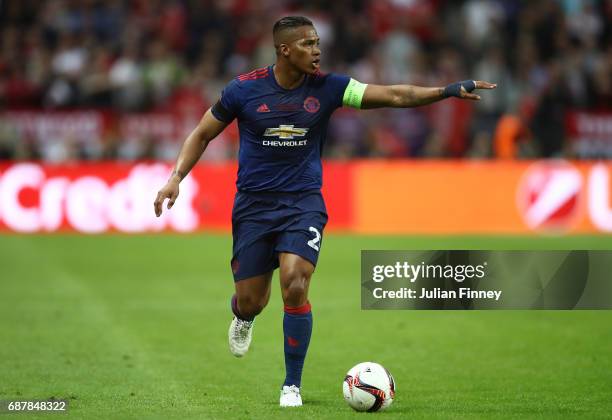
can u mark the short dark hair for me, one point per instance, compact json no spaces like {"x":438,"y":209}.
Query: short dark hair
{"x":290,"y":22}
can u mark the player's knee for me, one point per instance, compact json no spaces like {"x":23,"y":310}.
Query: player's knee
{"x":295,"y":285}
{"x":250,"y":307}
{"x":294,"y":294}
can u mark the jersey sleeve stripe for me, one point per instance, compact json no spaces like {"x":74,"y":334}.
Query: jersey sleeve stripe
{"x":255,"y":74}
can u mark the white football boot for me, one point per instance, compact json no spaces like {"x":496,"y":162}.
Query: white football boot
{"x":240,"y":334}
{"x":290,"y":396}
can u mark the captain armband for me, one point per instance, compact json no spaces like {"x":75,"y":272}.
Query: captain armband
{"x":353,"y":94}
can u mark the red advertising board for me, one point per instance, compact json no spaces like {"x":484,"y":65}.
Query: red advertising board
{"x":102,"y":197}
{"x":374,"y":197}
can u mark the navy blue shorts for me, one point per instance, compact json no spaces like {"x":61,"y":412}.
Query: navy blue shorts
{"x":266,"y":223}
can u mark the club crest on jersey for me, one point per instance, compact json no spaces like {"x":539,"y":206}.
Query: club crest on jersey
{"x":286,"y":132}
{"x":311,"y":104}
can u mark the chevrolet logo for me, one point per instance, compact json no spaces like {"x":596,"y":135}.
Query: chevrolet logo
{"x":286,"y":132}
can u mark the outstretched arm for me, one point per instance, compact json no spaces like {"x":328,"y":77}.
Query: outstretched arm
{"x":207,"y":129}
{"x":406,"y":96}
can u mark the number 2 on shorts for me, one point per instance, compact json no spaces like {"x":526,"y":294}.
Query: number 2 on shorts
{"x":313,"y":242}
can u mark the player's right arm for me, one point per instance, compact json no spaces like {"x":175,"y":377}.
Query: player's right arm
{"x":207,"y":129}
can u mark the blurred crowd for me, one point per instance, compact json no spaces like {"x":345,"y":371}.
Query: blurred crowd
{"x":127,"y":57}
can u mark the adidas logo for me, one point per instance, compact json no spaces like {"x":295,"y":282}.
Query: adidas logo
{"x":263,"y":108}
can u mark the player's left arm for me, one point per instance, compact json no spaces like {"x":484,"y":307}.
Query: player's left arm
{"x":406,"y":96}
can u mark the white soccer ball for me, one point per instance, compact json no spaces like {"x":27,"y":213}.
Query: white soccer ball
{"x":368,"y":387}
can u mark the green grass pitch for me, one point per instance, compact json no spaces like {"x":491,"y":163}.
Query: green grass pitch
{"x":135,"y":327}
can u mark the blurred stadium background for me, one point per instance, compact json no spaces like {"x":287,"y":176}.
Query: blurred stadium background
{"x":96,"y":98}
{"x":87,"y":79}
{"x":126,"y":81}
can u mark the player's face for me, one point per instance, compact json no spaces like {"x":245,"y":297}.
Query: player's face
{"x":304,"y":52}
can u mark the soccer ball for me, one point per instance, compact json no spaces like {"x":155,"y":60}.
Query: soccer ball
{"x":368,"y":387}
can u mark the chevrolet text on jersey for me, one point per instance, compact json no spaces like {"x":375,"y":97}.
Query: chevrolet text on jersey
{"x":286,"y":143}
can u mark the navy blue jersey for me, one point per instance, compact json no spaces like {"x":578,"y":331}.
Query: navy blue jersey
{"x":282,"y":131}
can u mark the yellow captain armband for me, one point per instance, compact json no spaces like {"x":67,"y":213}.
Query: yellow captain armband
{"x":353,"y":94}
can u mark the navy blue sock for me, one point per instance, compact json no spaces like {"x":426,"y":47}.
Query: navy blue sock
{"x":297,"y":328}
{"x":235,"y":309}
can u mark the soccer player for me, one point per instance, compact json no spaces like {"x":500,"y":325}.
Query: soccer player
{"x":279,"y":214}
